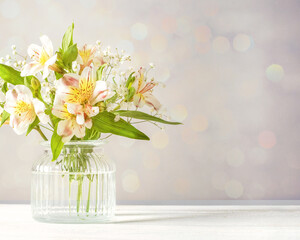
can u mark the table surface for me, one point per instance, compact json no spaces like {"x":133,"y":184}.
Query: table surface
{"x":162,"y":222}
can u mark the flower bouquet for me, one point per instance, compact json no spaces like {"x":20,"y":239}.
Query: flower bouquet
{"x":77,"y":95}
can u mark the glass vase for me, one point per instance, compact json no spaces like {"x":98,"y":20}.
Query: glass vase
{"x":78,"y":187}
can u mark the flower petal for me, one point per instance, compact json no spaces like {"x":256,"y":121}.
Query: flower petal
{"x":64,"y":129}
{"x":18,"y":124}
{"x":152,"y":101}
{"x":34,"y":51}
{"x":70,"y":80}
{"x":80,"y":118}
{"x":100,"y":92}
{"x":47,"y":44}
{"x":138,"y":100}
{"x":79,"y":131}
{"x":39,"y":108}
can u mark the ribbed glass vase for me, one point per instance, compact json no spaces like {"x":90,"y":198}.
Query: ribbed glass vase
{"x":78,"y":187}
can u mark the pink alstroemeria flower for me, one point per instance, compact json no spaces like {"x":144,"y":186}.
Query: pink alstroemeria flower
{"x":42,"y":58}
{"x":143,"y":94}
{"x":68,"y":126}
{"x":23,"y":109}
{"x":78,"y":95}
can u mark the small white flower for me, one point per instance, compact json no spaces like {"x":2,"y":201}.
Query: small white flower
{"x":13,"y":47}
{"x":152,"y":65}
{"x":98,"y":42}
{"x":8,"y":57}
{"x":14,"y":52}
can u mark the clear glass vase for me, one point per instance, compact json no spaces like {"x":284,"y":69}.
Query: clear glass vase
{"x":79,"y":187}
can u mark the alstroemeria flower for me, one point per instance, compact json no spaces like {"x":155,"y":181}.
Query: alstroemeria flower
{"x":88,"y":55}
{"x":68,"y":126}
{"x":42,"y":58}
{"x":78,"y":95}
{"x":23,"y":109}
{"x":143,"y":94}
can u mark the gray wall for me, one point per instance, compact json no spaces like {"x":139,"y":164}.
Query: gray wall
{"x":232,"y":75}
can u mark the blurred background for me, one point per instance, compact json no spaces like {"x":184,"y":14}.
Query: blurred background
{"x":231,"y":70}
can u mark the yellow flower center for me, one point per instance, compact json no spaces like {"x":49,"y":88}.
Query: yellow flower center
{"x":85,"y":55}
{"x":82,"y":94}
{"x":44,"y":57}
{"x":22,"y":107}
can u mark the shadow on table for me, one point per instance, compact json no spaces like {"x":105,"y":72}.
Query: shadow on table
{"x":154,"y":217}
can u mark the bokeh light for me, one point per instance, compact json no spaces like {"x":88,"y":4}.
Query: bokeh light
{"x":178,"y":112}
{"x":188,"y":135}
{"x":235,"y":157}
{"x":242,"y":42}
{"x":159,"y":43}
{"x":130,"y":181}
{"x":221,"y":45}
{"x":199,"y":123}
{"x":151,"y":160}
{"x":267,"y":139}
{"x":160,"y":139}
{"x":139,"y":31}
{"x":203,"y":33}
{"x":234,"y":189}
{"x":275,"y":72}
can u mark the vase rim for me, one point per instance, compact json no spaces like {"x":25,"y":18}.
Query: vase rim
{"x":92,"y":143}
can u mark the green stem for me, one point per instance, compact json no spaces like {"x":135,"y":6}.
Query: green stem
{"x":79,"y":193}
{"x":88,"y":200}
{"x":96,"y":207}
{"x":41,"y":133}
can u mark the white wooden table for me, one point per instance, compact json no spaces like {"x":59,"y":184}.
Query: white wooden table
{"x":162,"y":222}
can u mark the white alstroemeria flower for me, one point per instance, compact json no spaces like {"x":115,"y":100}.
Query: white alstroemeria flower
{"x":42,"y":58}
{"x":143,"y":94}
{"x":68,"y":126}
{"x":88,"y":55}
{"x":23,"y":109}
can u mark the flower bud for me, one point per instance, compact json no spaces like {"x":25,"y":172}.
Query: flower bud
{"x":35,"y":83}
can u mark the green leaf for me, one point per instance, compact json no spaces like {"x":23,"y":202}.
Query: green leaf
{"x":4,"y":116}
{"x":4,"y":88}
{"x":104,"y":122}
{"x":33,"y":125}
{"x":70,"y":55}
{"x":100,"y":71}
{"x":10,"y":75}
{"x":143,"y":116}
{"x":68,"y":38}
{"x":58,"y":75}
{"x":56,"y":144}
